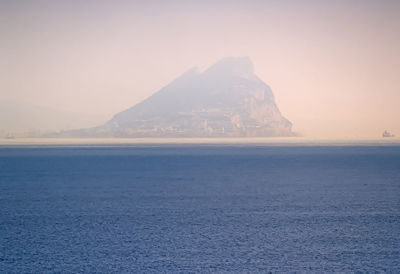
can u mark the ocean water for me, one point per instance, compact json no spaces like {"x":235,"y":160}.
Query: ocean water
{"x":179,"y":209}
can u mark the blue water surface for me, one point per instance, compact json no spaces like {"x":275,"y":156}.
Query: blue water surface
{"x":200,"y":209}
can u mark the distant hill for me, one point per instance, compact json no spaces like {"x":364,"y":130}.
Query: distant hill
{"x":226,"y":100}
{"x":21,"y":119}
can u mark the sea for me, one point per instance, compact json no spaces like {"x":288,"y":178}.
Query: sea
{"x":200,"y":208}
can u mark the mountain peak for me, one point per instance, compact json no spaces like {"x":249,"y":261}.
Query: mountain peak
{"x":226,"y":100}
{"x":236,"y":66}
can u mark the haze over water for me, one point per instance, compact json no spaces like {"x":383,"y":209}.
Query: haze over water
{"x":333,"y":65}
{"x":327,"y":200}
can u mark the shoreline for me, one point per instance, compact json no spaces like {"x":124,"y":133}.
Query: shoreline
{"x":270,"y":141}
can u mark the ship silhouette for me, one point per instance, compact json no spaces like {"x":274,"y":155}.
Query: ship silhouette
{"x":387,"y":134}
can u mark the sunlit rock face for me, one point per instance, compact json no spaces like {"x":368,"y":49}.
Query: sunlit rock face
{"x":226,"y":100}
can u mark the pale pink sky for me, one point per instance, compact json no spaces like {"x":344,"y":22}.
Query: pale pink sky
{"x":333,"y":66}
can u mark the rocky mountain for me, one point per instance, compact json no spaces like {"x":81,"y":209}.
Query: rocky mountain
{"x":226,"y":100}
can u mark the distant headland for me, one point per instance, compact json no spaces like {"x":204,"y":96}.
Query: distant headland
{"x":226,"y":100}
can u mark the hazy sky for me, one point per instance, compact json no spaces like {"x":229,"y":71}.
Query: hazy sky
{"x":334,"y":66}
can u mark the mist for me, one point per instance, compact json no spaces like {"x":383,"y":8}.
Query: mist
{"x":333,"y":66}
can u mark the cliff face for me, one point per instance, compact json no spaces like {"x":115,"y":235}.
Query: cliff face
{"x":226,"y":100}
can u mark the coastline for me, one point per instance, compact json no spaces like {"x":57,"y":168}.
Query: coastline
{"x":270,"y":141}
